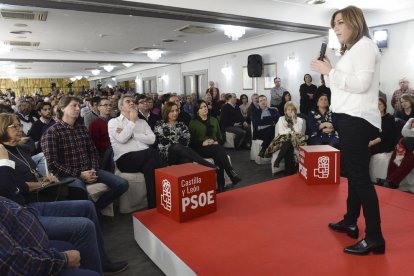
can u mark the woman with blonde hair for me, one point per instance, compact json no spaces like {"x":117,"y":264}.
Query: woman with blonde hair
{"x":290,"y":134}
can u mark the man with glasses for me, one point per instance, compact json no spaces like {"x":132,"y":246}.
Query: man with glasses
{"x":93,"y":114}
{"x":144,"y":111}
{"x":276,"y":92}
{"x":131,"y":139}
{"x":98,"y":130}
{"x":396,"y":96}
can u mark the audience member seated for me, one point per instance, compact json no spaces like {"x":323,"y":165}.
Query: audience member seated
{"x":26,"y":249}
{"x":307,"y":95}
{"x":71,"y":154}
{"x":290,"y":134}
{"x":213,"y":109}
{"x":114,"y":106}
{"x":144,"y":112}
{"x":286,"y":97}
{"x":385,"y":142}
{"x":231,"y":120}
{"x":154,"y":104}
{"x":321,"y":124}
{"x":75,"y":222}
{"x":396,"y":96}
{"x":23,"y":111}
{"x":183,"y":117}
{"x":189,"y":106}
{"x":45,"y":121}
{"x":402,"y":159}
{"x":244,"y":105}
{"x":173,"y":138}
{"x":89,"y":117}
{"x":131,"y":139}
{"x":264,"y":120}
{"x":98,"y":130}
{"x":206,"y":139}
{"x":252,"y":107}
{"x":407,"y":108}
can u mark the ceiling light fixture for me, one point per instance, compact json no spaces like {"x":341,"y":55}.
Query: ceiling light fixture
{"x":72,"y":79}
{"x":127,"y":65}
{"x":95,"y":72}
{"x":78,"y":77}
{"x":315,"y":2}
{"x":154,"y":55}
{"x":108,"y":68}
{"x":234,"y":32}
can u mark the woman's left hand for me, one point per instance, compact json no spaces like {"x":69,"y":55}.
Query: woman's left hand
{"x":322,"y":67}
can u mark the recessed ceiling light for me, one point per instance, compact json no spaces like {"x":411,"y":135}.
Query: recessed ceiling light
{"x":20,"y":32}
{"x":168,"y":40}
{"x":315,"y":2}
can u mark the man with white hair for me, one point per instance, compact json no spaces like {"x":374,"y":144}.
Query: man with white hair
{"x":404,"y":88}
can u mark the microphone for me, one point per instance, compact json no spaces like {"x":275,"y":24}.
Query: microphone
{"x":323,"y":51}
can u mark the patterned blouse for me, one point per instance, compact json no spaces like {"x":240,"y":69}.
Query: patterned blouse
{"x":167,"y":134}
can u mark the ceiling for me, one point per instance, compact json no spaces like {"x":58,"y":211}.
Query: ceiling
{"x":78,"y":36}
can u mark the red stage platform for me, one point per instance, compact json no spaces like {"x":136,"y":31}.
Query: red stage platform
{"x":278,"y":227}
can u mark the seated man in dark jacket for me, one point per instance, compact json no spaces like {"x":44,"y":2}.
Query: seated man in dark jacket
{"x":144,"y":111}
{"x":232,"y":120}
{"x":264,"y":120}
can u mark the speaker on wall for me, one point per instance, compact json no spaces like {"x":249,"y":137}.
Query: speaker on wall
{"x":254,"y":66}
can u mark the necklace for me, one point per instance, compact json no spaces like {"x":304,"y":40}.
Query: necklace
{"x":25,"y":162}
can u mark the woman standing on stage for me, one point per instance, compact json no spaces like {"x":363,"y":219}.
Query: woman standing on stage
{"x":354,"y":83}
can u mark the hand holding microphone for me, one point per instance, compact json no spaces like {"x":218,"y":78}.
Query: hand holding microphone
{"x":322,"y":64}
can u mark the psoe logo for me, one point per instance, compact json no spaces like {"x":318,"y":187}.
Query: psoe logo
{"x":323,"y":167}
{"x":166,"y":195}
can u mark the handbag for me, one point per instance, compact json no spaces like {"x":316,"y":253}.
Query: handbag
{"x":53,"y":191}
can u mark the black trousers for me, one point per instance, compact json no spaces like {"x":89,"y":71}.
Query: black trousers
{"x":219,"y":155}
{"x":266,"y":135}
{"x":145,"y":161}
{"x":243,"y":136}
{"x":179,"y":154}
{"x":355,"y":134}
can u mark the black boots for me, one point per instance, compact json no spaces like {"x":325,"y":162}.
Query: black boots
{"x":235,"y":179}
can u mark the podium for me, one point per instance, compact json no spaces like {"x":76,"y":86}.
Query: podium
{"x":319,"y":164}
{"x":185,"y":191}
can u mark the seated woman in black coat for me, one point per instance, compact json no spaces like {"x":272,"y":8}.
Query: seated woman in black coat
{"x":286,"y":97}
{"x":321,"y":124}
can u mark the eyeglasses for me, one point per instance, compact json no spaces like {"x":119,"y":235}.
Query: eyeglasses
{"x":15,"y":126}
{"x":106,"y":105}
{"x":142,"y":101}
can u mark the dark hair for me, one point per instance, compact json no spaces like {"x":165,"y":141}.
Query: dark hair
{"x":6,"y":119}
{"x":228,"y":96}
{"x":408,"y":98}
{"x":165,"y":98}
{"x":197,"y":106}
{"x":307,"y":75}
{"x":283,"y":97}
{"x":4,"y":108}
{"x":95,"y":100}
{"x":277,"y":78}
{"x":64,"y":102}
{"x":43,"y":104}
{"x":384,"y":102}
{"x":354,"y":18}
{"x":140,"y":97}
{"x":244,"y":96}
{"x":166,"y":109}
{"x":319,"y":96}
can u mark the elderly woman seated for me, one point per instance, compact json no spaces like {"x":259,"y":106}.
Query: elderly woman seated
{"x":321,"y":124}
{"x":290,"y":134}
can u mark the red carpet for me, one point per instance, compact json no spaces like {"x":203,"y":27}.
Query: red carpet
{"x":280,"y":228}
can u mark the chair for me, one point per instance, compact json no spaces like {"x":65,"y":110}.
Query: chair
{"x":135,"y":198}
{"x":255,"y":149}
{"x":229,"y":144}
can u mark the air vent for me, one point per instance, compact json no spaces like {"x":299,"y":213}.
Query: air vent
{"x":20,"y":32}
{"x":191,"y":29}
{"x":22,"y":43}
{"x":146,"y":49}
{"x":169,"y":40}
{"x":24,"y":15}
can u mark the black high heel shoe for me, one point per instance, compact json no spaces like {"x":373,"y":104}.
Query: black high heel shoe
{"x":350,"y":229}
{"x":234,"y":177}
{"x":364,"y":247}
